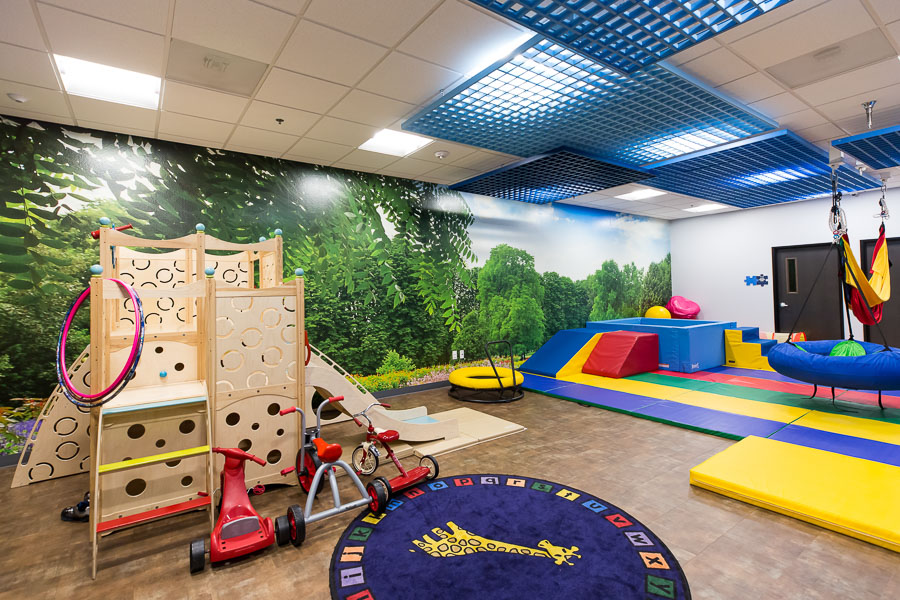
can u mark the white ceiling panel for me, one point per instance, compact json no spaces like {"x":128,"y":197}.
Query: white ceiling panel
{"x":260,"y":139}
{"x":140,"y":14}
{"x":191,"y":100}
{"x":894,"y":31}
{"x":459,"y":37}
{"x":873,"y":77}
{"x":35,"y":115}
{"x":300,"y":91}
{"x":328,"y":54}
{"x":110,"y":113}
{"x":751,"y":88}
{"x":826,"y":131}
{"x":189,"y":141}
{"x":127,"y":130}
{"x":834,"y":20}
{"x":251,"y":150}
{"x":292,"y":7}
{"x":262,"y":115}
{"x":18,"y":25}
{"x":411,"y":167}
{"x":453,"y":173}
{"x":482,"y":161}
{"x":385,"y":22}
{"x":371,"y":109}
{"x":780,"y":105}
{"x":42,"y":100}
{"x":887,"y":10}
{"x":26,"y":66}
{"x":87,"y":38}
{"x":237,"y":26}
{"x":456,"y":152}
{"x":782,"y":13}
{"x":194,"y":127}
{"x":343,"y":132}
{"x":368,"y":160}
{"x":408,"y":79}
{"x":851,"y":106}
{"x":318,"y":151}
{"x":802,"y":119}
{"x":718,"y":67}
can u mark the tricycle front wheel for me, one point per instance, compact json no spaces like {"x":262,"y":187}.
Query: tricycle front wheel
{"x":364,"y":462}
{"x":432,"y":464}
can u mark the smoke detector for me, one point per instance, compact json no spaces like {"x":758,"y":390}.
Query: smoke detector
{"x":441,"y":154}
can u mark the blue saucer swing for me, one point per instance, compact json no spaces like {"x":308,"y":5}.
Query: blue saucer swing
{"x":848,"y":363}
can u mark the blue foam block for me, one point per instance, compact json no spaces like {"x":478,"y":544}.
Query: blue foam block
{"x":711,"y":420}
{"x":553,"y":356}
{"x":840,"y":444}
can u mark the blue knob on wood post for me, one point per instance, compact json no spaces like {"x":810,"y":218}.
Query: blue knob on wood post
{"x":96,"y":270}
{"x":298,"y":272}
{"x":209,"y":271}
{"x":200,"y":227}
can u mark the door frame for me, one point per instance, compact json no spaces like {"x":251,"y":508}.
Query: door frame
{"x":867,"y":330}
{"x":776,"y":283}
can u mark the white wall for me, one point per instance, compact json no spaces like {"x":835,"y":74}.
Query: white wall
{"x":712,"y":254}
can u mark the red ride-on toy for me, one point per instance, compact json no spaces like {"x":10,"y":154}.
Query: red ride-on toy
{"x":327,"y":458}
{"x":239,"y":529}
{"x":365,"y":456}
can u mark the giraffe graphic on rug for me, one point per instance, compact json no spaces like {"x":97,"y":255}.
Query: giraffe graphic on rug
{"x":458,"y":542}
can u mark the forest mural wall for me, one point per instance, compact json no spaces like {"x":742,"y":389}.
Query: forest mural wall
{"x":399,"y":273}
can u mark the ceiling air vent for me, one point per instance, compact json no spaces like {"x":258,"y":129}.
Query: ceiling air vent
{"x":855,"y":52}
{"x":208,"y":68}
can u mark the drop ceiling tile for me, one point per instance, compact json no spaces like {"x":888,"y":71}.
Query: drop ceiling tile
{"x":779,"y":105}
{"x":236,"y":26}
{"x":692,"y":52}
{"x":349,"y":167}
{"x":718,"y":67}
{"x":894,"y":31}
{"x":368,"y":160}
{"x":764,"y":21}
{"x":26,"y":66}
{"x":194,"y":127}
{"x":802,"y":119}
{"x":318,"y":150}
{"x":300,"y":91}
{"x":452,"y":173}
{"x":116,"y":128}
{"x":835,"y":20}
{"x":411,"y":167}
{"x":458,"y":37}
{"x":140,"y":14}
{"x":309,"y":160}
{"x":292,"y":7}
{"x":873,"y":77}
{"x":199,"y":102}
{"x":884,"y":116}
{"x":18,"y":25}
{"x":87,"y":38}
{"x":40,"y":100}
{"x":385,"y":22}
{"x":887,"y":10}
{"x":36,"y":116}
{"x":113,"y":114}
{"x":751,"y":88}
{"x":851,"y":106}
{"x":371,"y":109}
{"x":456,"y":152}
{"x":189,"y":140}
{"x":408,"y":79}
{"x":251,"y":150}
{"x":343,"y":132}
{"x":482,"y":161}
{"x":826,"y":131}
{"x":328,"y":54}
{"x":262,"y":115}
{"x":260,"y":139}
{"x":398,"y":175}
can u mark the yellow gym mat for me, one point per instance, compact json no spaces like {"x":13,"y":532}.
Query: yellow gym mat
{"x":856,"y":497}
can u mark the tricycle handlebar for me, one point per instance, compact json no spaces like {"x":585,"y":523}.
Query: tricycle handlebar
{"x":239,"y":454}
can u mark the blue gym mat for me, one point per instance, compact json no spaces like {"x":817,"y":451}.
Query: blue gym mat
{"x":553,"y":356}
{"x":840,"y":444}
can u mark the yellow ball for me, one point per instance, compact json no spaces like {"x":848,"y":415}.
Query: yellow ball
{"x":658,"y":312}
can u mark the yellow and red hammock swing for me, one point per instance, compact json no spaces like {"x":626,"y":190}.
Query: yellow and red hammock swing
{"x":873,"y":290}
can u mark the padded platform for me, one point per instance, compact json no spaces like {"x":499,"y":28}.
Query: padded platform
{"x":619,"y":354}
{"x":849,"y":495}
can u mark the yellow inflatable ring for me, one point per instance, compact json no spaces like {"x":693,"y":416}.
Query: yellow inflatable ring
{"x":483,"y":378}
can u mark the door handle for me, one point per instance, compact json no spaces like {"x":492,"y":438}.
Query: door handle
{"x":782,"y":305}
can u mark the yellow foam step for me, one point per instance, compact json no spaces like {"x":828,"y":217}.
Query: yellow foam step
{"x":856,"y":497}
{"x":151,"y":460}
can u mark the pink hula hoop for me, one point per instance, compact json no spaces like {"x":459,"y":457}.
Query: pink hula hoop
{"x":128,"y":363}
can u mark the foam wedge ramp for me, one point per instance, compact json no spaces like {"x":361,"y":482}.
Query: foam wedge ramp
{"x":557,"y":351}
{"x":853,"y":496}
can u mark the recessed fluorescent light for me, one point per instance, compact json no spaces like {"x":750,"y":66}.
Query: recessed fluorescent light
{"x":102,"y":82}
{"x":704,"y":208}
{"x":641,"y":194}
{"x":395,"y":143}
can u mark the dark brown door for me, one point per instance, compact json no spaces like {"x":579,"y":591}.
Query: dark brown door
{"x":890,"y":320}
{"x":795,"y":269}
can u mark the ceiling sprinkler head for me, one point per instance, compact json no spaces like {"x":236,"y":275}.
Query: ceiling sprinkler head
{"x":441,"y":154}
{"x":869,"y":107}
{"x":279,"y":120}
{"x":17,"y":98}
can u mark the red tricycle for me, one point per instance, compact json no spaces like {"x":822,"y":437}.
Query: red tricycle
{"x":239,"y":529}
{"x":365,"y":456}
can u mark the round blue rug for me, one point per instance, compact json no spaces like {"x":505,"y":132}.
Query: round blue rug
{"x":502,"y":536}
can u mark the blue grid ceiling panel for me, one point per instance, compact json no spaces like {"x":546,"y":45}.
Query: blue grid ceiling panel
{"x":628,"y":35}
{"x":550,"y":177}
{"x":767,"y":169}
{"x":546,"y":96}
{"x":880,"y":149}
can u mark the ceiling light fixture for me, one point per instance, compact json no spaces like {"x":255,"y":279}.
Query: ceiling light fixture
{"x":704,"y":208}
{"x":395,"y":143}
{"x":102,"y":82}
{"x":641,"y":194}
